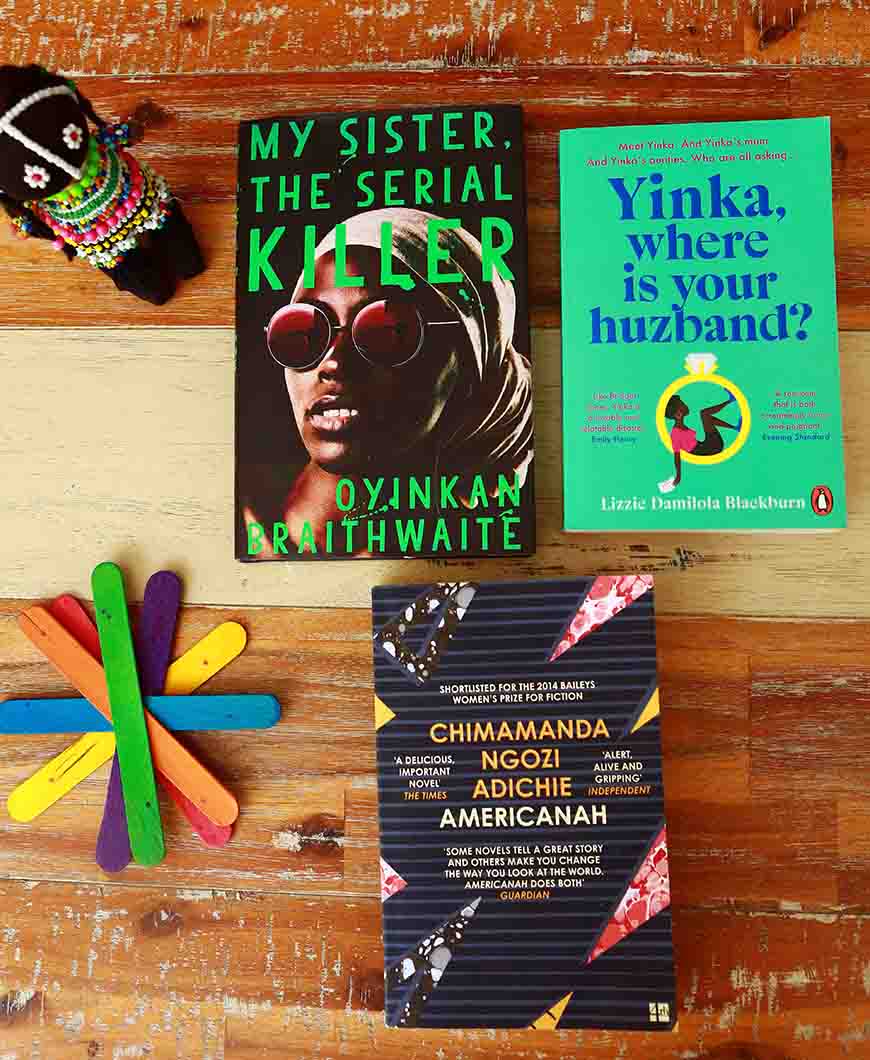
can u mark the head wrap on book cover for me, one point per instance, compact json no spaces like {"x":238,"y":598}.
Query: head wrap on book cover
{"x":493,"y":429}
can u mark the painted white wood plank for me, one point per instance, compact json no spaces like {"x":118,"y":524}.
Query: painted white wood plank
{"x":118,"y":444}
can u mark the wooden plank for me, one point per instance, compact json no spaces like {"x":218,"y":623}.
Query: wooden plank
{"x":745,"y":787}
{"x":217,"y":36}
{"x":169,"y":504}
{"x":192,"y":129}
{"x":232,"y":953}
{"x":184,"y":975}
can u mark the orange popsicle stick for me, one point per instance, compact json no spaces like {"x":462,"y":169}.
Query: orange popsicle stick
{"x":171,"y":758}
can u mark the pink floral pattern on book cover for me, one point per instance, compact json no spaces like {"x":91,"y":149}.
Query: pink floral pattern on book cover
{"x":647,"y":894}
{"x":608,"y":595}
{"x":391,"y":881}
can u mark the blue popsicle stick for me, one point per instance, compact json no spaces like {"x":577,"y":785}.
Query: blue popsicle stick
{"x":200,"y":713}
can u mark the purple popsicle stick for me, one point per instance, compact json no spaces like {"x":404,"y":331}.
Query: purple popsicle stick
{"x":154,"y":637}
{"x":113,"y":843}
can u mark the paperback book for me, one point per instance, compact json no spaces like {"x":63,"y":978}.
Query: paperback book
{"x":701,"y":383}
{"x":524,"y":857}
{"x":383,"y":379}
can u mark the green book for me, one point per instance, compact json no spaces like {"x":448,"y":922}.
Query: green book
{"x":700,"y":370}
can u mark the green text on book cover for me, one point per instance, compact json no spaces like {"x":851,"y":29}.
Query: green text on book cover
{"x":700,"y":365}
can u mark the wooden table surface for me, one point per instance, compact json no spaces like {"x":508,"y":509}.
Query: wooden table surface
{"x":117,"y":443}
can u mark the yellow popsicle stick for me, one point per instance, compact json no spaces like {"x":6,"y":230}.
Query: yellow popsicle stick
{"x":76,"y":763}
{"x":205,"y":659}
{"x":60,"y":775}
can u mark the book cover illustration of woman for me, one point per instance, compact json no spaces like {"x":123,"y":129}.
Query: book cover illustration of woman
{"x":394,"y":383}
{"x":684,"y":439}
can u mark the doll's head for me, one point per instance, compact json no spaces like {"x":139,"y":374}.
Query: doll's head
{"x":43,"y":133}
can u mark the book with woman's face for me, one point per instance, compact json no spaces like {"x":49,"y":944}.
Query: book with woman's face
{"x":383,"y":383}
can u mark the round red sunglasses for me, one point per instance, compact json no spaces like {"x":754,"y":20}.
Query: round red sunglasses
{"x":386,"y":332}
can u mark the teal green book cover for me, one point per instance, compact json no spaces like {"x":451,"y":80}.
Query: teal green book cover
{"x":700,"y":369}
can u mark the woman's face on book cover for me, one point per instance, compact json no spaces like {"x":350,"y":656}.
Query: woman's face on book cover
{"x":351,"y":413}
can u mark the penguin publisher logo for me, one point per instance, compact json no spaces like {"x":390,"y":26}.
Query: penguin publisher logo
{"x":822,"y":500}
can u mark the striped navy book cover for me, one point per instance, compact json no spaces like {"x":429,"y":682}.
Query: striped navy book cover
{"x":524,"y":865}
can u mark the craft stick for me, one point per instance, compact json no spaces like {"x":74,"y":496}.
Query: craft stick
{"x":128,"y":715}
{"x":205,"y":658}
{"x":154,"y":636}
{"x":156,"y":631}
{"x":113,"y":853}
{"x":170,"y":757}
{"x":203,"y":713}
{"x":60,"y":775}
{"x":73,"y":617}
{"x":203,"y":661}
{"x":113,"y":849}
{"x":223,"y":713}
{"x":213,"y":835}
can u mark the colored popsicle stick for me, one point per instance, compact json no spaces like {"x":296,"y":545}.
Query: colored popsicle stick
{"x":128,"y":715}
{"x":213,"y":835}
{"x":73,"y":617}
{"x":60,"y":775}
{"x":156,"y":631}
{"x":208,"y":656}
{"x":113,"y":840}
{"x":204,"y":713}
{"x":170,"y":757}
{"x":154,"y":637}
{"x":113,"y":853}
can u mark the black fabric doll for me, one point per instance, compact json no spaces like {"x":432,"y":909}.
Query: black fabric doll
{"x":84,"y":192}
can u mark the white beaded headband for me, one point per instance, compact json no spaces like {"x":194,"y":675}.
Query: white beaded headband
{"x":7,"y":127}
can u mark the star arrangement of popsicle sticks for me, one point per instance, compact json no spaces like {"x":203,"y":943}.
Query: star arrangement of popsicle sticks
{"x":65,"y":634}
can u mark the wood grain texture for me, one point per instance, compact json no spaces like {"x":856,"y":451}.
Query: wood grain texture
{"x":271,"y":948}
{"x":237,"y":976}
{"x":224,"y":36}
{"x":192,"y":135}
{"x":117,"y":444}
{"x":167,"y":503}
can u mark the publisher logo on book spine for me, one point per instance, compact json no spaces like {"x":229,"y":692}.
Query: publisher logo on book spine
{"x":822,"y":500}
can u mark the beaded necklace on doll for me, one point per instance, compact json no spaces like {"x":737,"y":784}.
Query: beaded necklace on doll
{"x":68,"y":177}
{"x":116,"y":199}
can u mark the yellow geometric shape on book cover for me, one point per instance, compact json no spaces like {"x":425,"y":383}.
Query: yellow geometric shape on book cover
{"x":383,"y":714}
{"x":549,"y":1021}
{"x":650,"y":711}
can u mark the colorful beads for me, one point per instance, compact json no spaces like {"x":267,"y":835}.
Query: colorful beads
{"x":102,"y":214}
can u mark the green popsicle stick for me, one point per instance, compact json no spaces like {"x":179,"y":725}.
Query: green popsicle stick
{"x":128,"y":716}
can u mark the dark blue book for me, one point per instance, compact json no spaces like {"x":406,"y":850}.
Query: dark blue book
{"x":524,"y":864}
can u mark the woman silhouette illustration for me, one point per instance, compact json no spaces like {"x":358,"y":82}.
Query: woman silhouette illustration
{"x":685,"y":440}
